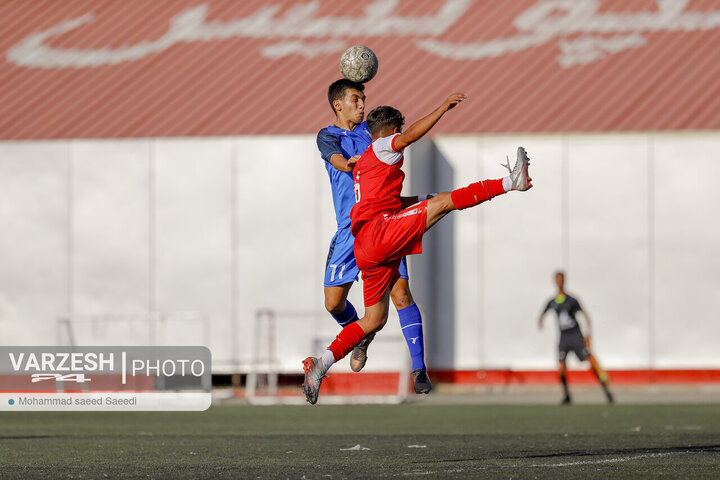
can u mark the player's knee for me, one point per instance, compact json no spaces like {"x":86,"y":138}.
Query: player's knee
{"x":381,"y":323}
{"x":334,"y":306}
{"x":401,"y":298}
{"x":376,"y":323}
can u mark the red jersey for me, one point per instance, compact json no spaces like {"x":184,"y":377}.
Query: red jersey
{"x":378,"y":182}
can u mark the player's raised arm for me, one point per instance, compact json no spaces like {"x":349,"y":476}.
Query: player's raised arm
{"x":416,"y":131}
{"x":330,"y":151}
{"x":344,"y":164}
{"x":542,"y":315}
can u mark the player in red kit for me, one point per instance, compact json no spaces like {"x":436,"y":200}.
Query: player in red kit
{"x":386,"y":228}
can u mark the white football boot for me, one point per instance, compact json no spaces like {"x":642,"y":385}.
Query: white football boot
{"x":519,"y":174}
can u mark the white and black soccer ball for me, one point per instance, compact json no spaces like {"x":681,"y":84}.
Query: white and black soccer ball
{"x":358,"y":64}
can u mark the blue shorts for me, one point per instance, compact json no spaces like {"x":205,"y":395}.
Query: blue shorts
{"x":340,"y":267}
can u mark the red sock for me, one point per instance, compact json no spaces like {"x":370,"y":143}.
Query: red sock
{"x":346,"y":340}
{"x":476,"y":193}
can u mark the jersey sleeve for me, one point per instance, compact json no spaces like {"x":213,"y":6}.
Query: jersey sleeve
{"x":328,"y":144}
{"x":547,"y":307}
{"x":576,"y":305}
{"x":384,"y":150}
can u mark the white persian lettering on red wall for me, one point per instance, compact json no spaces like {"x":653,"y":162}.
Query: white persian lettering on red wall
{"x":82,"y":69}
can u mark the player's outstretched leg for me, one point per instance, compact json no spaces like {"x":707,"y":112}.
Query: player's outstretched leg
{"x":602,"y":377}
{"x":479,"y":192}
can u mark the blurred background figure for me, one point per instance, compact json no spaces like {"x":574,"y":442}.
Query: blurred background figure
{"x":571,"y":336}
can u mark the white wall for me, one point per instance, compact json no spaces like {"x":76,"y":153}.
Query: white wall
{"x":223,"y":227}
{"x":630,"y":217}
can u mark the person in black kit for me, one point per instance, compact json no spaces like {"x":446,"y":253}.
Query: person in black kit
{"x":571,"y":337}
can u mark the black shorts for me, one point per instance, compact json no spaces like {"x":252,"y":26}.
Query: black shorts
{"x":572,"y":341}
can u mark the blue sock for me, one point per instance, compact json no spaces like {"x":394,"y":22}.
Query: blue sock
{"x":411,"y":324}
{"x":348,"y":316}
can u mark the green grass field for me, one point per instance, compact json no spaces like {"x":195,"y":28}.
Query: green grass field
{"x":400,"y":441}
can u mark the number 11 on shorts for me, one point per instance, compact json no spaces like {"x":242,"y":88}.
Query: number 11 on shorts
{"x":334,"y":268}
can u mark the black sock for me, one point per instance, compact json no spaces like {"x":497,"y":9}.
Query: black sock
{"x":563,"y":379}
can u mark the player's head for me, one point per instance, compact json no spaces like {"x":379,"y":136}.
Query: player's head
{"x":560,"y":279}
{"x":384,"y":121}
{"x":347,"y":99}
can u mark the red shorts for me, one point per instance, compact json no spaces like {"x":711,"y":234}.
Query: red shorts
{"x":380,"y":245}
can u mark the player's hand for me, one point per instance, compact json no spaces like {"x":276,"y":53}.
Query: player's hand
{"x":453,"y":100}
{"x":587,"y":342}
{"x":352,"y":161}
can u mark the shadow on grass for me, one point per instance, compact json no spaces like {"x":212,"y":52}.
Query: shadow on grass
{"x":600,"y":453}
{"x":27,"y":437}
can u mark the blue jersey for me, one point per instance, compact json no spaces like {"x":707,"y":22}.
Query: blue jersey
{"x":348,"y":143}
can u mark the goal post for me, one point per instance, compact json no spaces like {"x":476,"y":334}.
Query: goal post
{"x":133,"y":329}
{"x":283,"y":338}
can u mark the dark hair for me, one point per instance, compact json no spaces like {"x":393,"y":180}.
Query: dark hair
{"x":336,"y":91}
{"x":384,"y":116}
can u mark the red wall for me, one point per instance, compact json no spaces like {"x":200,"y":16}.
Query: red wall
{"x":220,"y":67}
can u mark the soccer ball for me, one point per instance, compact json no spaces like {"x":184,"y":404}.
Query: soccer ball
{"x":358,"y":64}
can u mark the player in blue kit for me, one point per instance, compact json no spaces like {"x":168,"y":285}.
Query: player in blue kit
{"x":340,"y":145}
